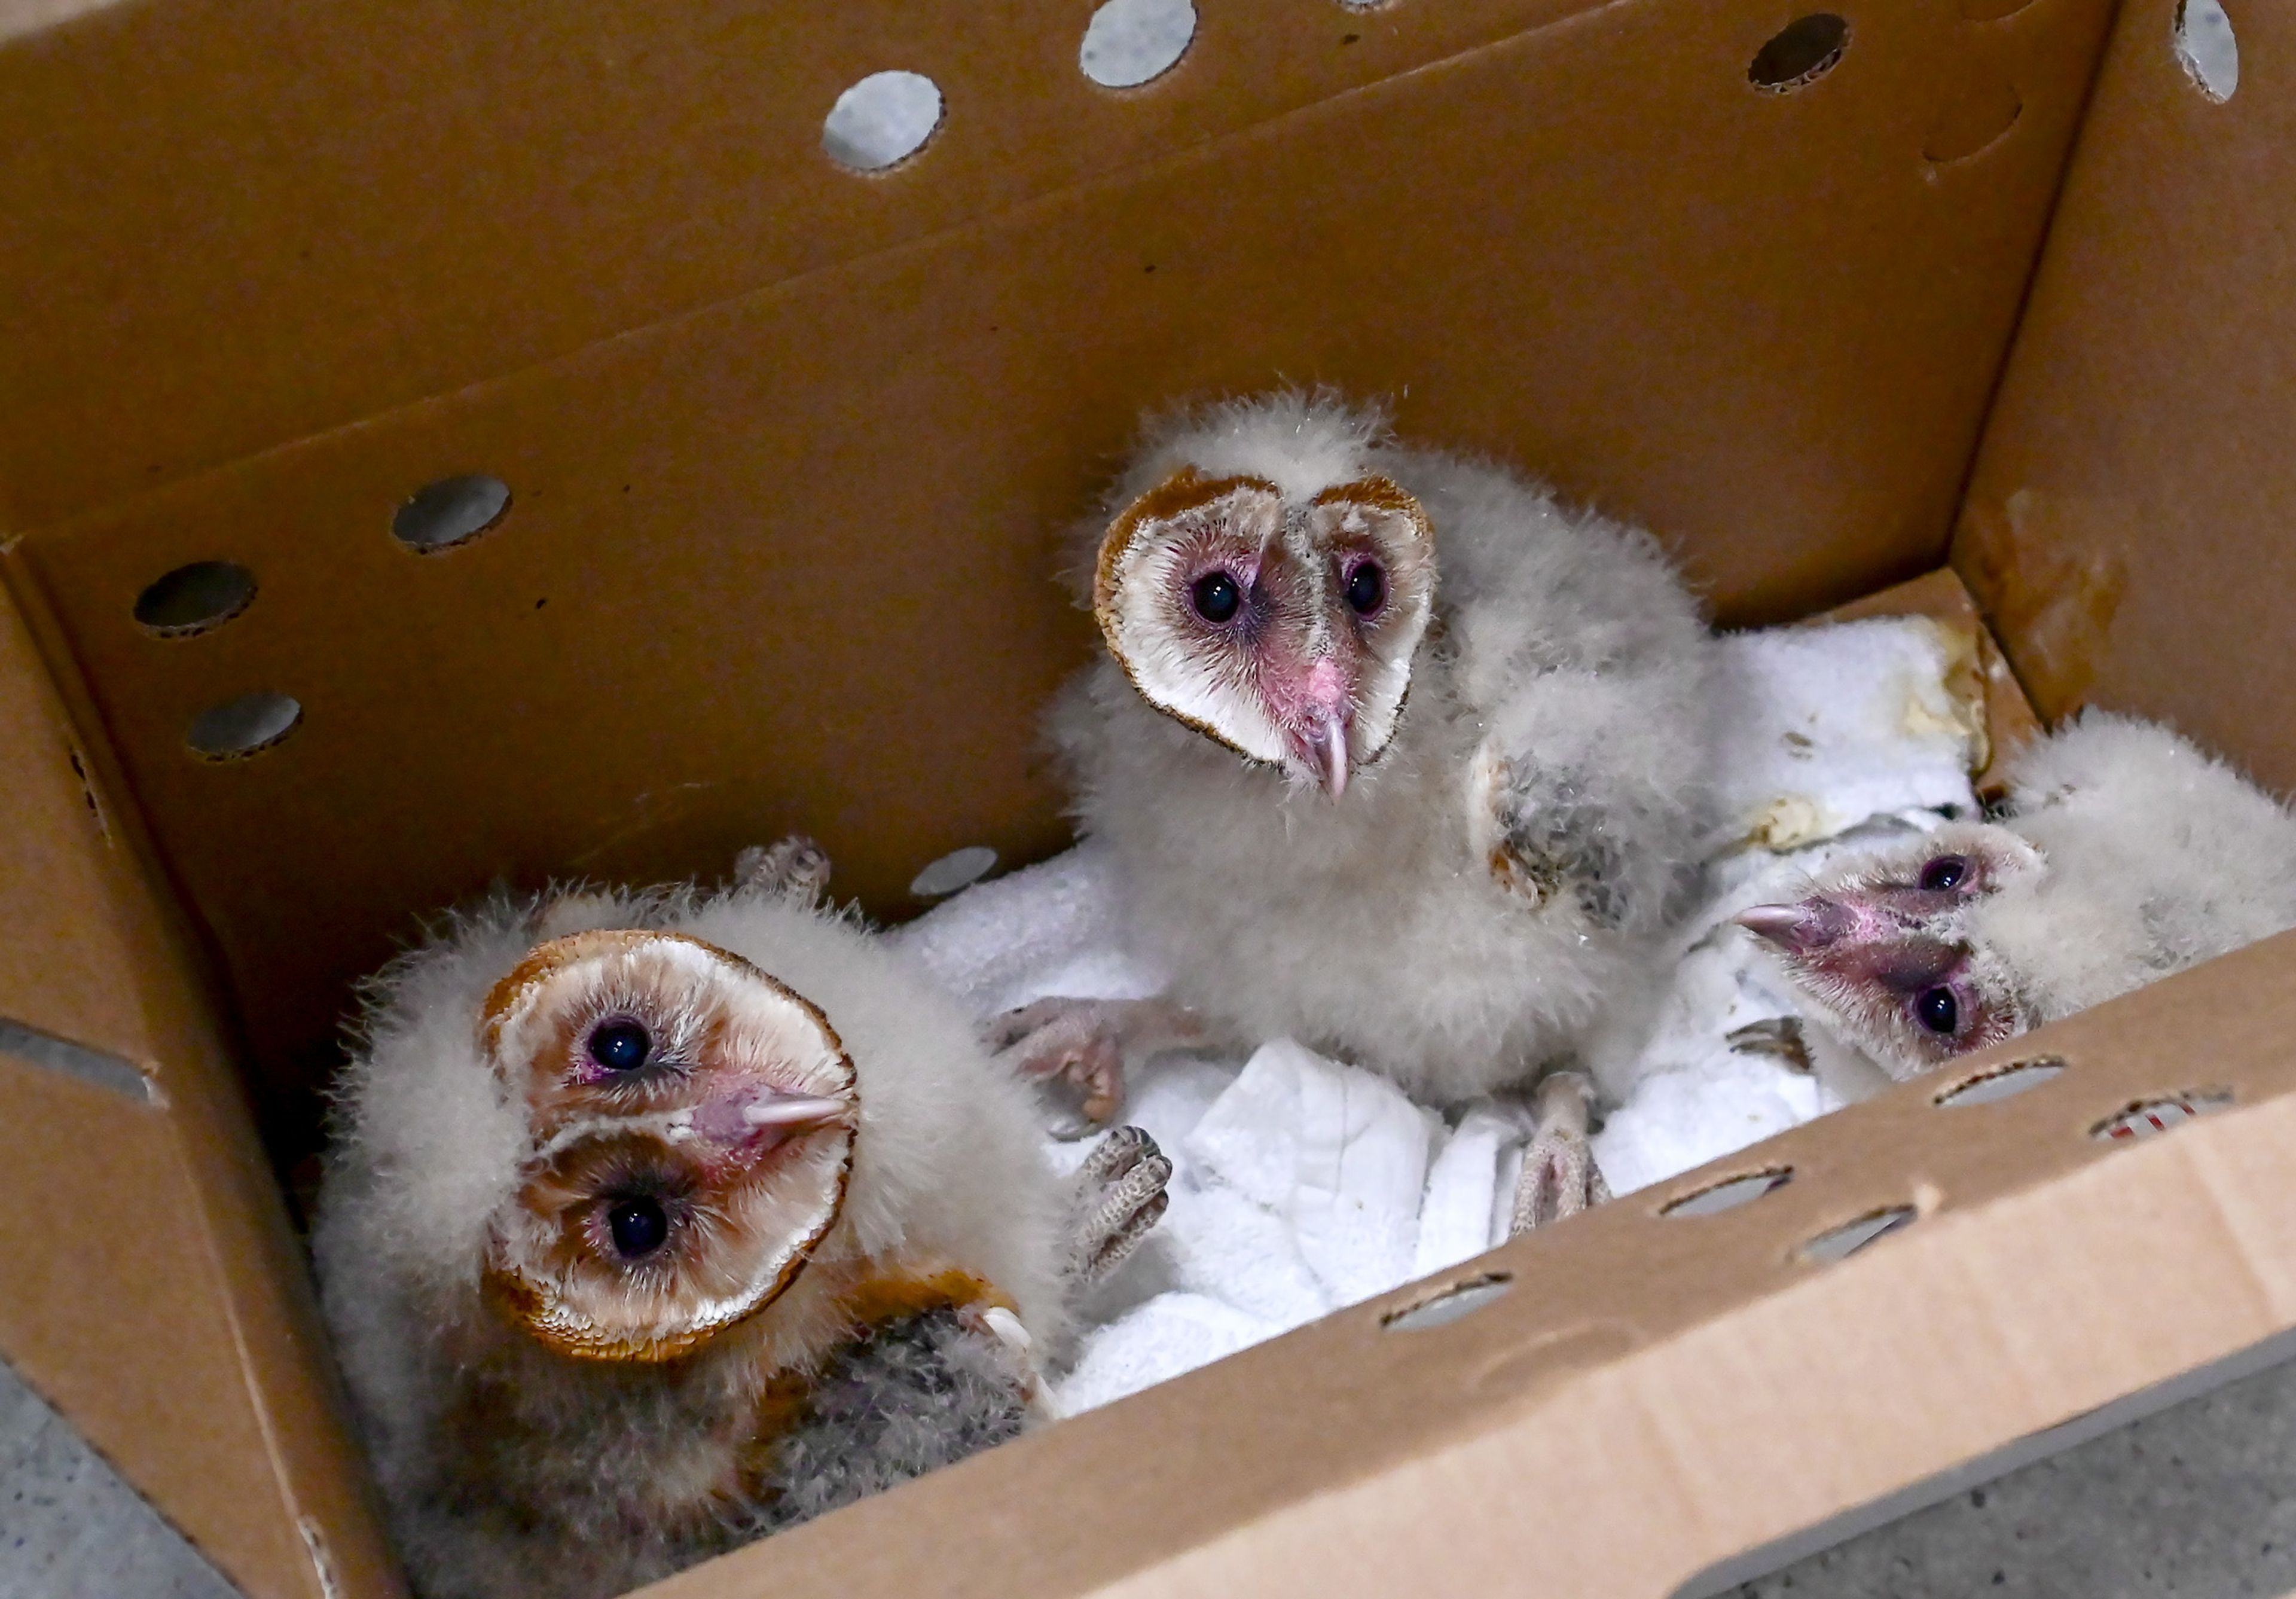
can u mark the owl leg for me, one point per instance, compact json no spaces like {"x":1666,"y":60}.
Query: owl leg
{"x":1119,"y":1196}
{"x":1559,"y":1176}
{"x":1073,"y":1052}
{"x":796,"y":868}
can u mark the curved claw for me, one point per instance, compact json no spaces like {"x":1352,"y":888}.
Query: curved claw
{"x":1072,"y":1053}
{"x":1559,"y":1176}
{"x":795,"y":868}
{"x":1120,"y":1197}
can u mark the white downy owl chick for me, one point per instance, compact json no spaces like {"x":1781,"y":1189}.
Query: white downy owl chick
{"x":1397,"y":755}
{"x":2122,"y":854}
{"x":658,"y":1222}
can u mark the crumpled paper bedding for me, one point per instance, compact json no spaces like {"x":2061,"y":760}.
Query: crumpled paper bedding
{"x":1303,"y":1184}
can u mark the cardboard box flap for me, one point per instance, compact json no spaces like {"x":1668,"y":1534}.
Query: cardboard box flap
{"x":311,"y":215}
{"x":1656,"y":1393}
{"x":152,"y":1294}
{"x":786,"y":561}
{"x":2127,"y":525}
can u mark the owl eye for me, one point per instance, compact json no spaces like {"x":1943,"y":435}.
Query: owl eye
{"x":1367,"y":588}
{"x":1946,"y":872}
{"x":639,"y":1227}
{"x":1217,"y":596}
{"x":1939,"y":1011}
{"x":620,"y":1045}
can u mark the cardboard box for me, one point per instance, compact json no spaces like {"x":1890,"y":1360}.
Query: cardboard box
{"x":788,"y":448}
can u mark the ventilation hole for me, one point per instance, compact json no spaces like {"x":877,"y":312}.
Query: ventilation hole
{"x":1985,"y":111}
{"x":1728,"y":1194}
{"x":2149,"y":1117}
{"x":450,"y":512}
{"x":2003,"y":1082}
{"x":1847,"y":1239}
{"x":885,"y":118}
{"x":2206,"y":48}
{"x":1129,"y":41}
{"x":958,"y":869}
{"x":192,"y":599}
{"x":1442,"y":1308}
{"x":1802,"y":52}
{"x":243,"y":725}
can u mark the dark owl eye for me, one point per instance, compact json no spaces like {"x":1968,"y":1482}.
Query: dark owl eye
{"x":1939,"y":1011}
{"x":1946,"y":871}
{"x":621,"y":1046}
{"x":639,"y":1227}
{"x":1216,"y":596}
{"x":1367,"y":588}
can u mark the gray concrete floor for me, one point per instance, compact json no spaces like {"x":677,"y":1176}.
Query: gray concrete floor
{"x":2198,"y":1501}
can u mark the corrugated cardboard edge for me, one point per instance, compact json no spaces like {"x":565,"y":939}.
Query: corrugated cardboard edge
{"x":135,"y":995}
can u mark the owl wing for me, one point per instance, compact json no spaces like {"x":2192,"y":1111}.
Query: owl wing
{"x":1585,"y":668}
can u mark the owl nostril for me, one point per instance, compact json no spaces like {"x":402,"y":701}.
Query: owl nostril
{"x":639,"y":1227}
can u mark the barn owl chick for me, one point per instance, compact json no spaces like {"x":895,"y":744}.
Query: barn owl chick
{"x":1397,"y":756}
{"x":2123,"y":854}
{"x":660,"y":1221}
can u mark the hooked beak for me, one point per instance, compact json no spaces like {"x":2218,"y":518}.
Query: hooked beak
{"x":791,"y":1111}
{"x":1327,"y":742}
{"x":753,"y":1121}
{"x":1798,"y":928}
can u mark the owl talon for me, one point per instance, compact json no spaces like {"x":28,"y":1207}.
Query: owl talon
{"x":1121,"y":1196}
{"x":1073,"y":1052}
{"x":796,"y":868}
{"x":1559,"y":1176}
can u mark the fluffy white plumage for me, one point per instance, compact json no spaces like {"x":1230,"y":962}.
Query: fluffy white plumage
{"x":1464,"y":912}
{"x":2123,"y":854}
{"x":513,"y":1469}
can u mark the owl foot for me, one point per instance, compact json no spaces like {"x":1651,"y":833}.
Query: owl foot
{"x":1119,"y":1196}
{"x":1559,"y":1176}
{"x":1073,"y":1052}
{"x":796,"y":868}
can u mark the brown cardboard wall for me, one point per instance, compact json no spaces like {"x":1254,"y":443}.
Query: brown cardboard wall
{"x":784,"y":561}
{"x":2129,"y":526}
{"x":1654,"y":1393}
{"x":152,"y":1294}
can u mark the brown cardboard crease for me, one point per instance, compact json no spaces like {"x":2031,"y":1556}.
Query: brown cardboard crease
{"x":789,"y":451}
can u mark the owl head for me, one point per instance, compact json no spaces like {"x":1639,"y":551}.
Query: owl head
{"x":1266,"y":585}
{"x":1900,"y":949}
{"x":692,"y":1124}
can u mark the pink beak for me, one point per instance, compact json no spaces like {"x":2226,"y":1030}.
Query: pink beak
{"x":1798,"y":929}
{"x":1329,"y":744}
{"x":753,"y":1120}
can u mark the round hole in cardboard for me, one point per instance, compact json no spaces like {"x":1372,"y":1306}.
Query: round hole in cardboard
{"x":2150,"y":1118}
{"x":193,"y":598}
{"x":2206,"y":48}
{"x":1131,"y":42}
{"x":1729,"y":1193}
{"x":1802,"y":52}
{"x":1449,"y":1304}
{"x":2004,"y":1081}
{"x":452,"y":511}
{"x":882,"y":120}
{"x":958,"y":869}
{"x":242,"y":726}
{"x":1984,"y":111}
{"x":1839,"y":1243}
